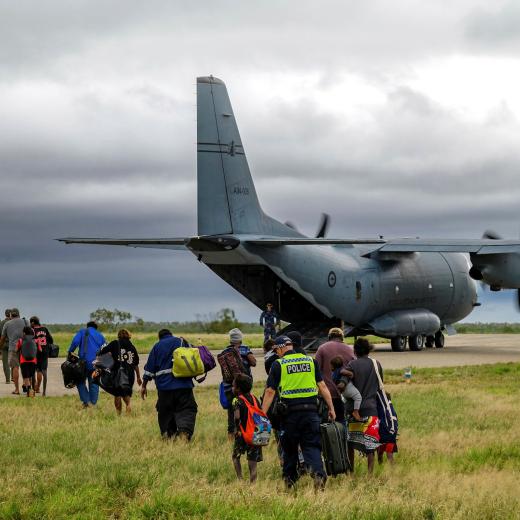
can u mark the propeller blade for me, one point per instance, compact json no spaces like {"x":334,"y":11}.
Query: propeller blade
{"x":324,"y":226}
{"x":491,"y":235}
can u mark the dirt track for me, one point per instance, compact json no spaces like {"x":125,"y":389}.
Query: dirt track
{"x":464,"y":349}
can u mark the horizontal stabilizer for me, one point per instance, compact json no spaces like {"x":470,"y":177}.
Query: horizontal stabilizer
{"x":155,"y":243}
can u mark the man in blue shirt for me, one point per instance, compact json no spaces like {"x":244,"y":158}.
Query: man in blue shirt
{"x":269,"y":320}
{"x":88,"y":341}
{"x":176,"y":405}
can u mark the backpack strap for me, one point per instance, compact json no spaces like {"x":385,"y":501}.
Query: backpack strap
{"x":376,"y":369}
{"x":84,"y":342}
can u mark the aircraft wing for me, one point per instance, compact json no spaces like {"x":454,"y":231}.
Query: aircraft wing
{"x":155,"y":243}
{"x":404,"y":245}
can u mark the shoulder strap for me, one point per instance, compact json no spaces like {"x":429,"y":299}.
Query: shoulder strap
{"x":84,"y":342}
{"x":376,"y":368}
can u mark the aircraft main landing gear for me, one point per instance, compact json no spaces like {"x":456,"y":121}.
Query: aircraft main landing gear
{"x":439,"y":339}
{"x":398,"y":343}
{"x":416,"y":342}
{"x":430,"y":341}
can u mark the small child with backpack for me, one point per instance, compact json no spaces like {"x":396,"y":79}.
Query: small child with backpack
{"x":346,"y":388}
{"x":28,"y":351}
{"x":252,"y":428}
{"x":388,"y":431}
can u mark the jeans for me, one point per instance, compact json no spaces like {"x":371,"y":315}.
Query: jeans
{"x":90,"y":394}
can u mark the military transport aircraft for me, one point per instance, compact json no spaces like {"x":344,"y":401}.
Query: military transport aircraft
{"x":408,"y":290}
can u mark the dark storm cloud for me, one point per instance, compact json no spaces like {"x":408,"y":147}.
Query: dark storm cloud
{"x":98,"y":125}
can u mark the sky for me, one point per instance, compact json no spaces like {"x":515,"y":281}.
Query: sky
{"x":397,"y":120}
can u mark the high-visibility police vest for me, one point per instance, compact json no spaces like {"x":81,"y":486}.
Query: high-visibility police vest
{"x":298,"y":377}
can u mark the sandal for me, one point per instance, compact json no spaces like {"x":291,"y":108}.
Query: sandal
{"x":14,"y":392}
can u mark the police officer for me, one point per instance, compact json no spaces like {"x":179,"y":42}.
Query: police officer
{"x":297,"y":379}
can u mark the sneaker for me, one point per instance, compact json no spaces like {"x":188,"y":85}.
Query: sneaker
{"x":30,"y":392}
{"x":24,"y":389}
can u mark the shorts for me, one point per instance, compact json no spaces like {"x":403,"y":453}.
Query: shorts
{"x":387,"y":447}
{"x":254,"y":453}
{"x":42,"y":360}
{"x":28,"y":370}
{"x":13,"y":359}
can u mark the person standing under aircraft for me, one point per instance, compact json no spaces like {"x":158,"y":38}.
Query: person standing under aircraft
{"x":88,"y":341}
{"x":176,"y":406}
{"x":298,"y":381}
{"x":270,"y":321}
{"x":12,"y":331}
{"x":43,"y":338}
{"x":326,"y":352}
{"x":5,"y":349}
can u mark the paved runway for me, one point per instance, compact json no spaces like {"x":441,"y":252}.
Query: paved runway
{"x":463,"y":349}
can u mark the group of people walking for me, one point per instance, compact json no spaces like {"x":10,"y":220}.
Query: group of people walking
{"x":25,"y":348}
{"x":341,"y":379}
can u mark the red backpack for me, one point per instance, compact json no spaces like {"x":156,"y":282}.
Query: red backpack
{"x":258,"y":427}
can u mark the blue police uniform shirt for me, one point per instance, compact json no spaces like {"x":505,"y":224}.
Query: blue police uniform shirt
{"x":275,"y":375}
{"x":160,"y":363}
{"x":268,"y":319}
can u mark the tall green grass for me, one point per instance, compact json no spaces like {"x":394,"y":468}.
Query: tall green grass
{"x":459,"y":457}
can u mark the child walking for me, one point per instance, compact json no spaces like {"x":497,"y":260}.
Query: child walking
{"x":242,"y":386}
{"x":388,"y":431}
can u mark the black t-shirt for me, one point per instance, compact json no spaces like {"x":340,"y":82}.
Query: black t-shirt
{"x":43,"y":338}
{"x":240,"y":412}
{"x":123,"y":352}
{"x":275,"y":375}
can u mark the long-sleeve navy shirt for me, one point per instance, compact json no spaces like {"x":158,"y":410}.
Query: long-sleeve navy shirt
{"x":160,"y":363}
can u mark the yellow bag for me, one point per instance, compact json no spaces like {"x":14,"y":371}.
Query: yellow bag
{"x":187,"y":362}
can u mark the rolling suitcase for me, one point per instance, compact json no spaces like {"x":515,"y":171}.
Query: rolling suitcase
{"x":334,"y":447}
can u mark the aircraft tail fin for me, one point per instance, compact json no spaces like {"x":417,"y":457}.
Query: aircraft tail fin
{"x":226,"y":196}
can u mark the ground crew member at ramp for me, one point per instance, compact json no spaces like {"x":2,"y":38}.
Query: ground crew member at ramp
{"x":298,"y":380}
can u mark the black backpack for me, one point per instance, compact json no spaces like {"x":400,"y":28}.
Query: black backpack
{"x":29,"y":349}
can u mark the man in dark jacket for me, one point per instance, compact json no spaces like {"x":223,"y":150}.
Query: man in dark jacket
{"x":176,"y":405}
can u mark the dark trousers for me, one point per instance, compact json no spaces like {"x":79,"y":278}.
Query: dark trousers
{"x":339,"y":408}
{"x":301,"y":428}
{"x":176,"y":411}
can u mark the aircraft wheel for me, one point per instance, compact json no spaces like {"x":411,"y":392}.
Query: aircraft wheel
{"x":416,"y":342}
{"x":398,"y":343}
{"x":430,"y":341}
{"x":439,"y":339}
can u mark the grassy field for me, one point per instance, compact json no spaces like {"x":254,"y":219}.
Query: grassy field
{"x":144,"y":341}
{"x":459,"y":458}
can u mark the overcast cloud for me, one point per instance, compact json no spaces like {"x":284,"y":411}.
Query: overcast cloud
{"x":400,"y":120}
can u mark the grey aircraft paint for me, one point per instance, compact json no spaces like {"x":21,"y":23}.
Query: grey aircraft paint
{"x":392,"y":288}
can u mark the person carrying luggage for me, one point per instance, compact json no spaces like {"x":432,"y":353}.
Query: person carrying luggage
{"x":125,"y":356}
{"x":364,"y":436}
{"x":243,"y":365}
{"x":88,"y":341}
{"x":387,"y":435}
{"x":298,"y":380}
{"x":176,"y":406}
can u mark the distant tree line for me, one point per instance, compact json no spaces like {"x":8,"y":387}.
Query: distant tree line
{"x":110,"y":320}
{"x":488,"y":328}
